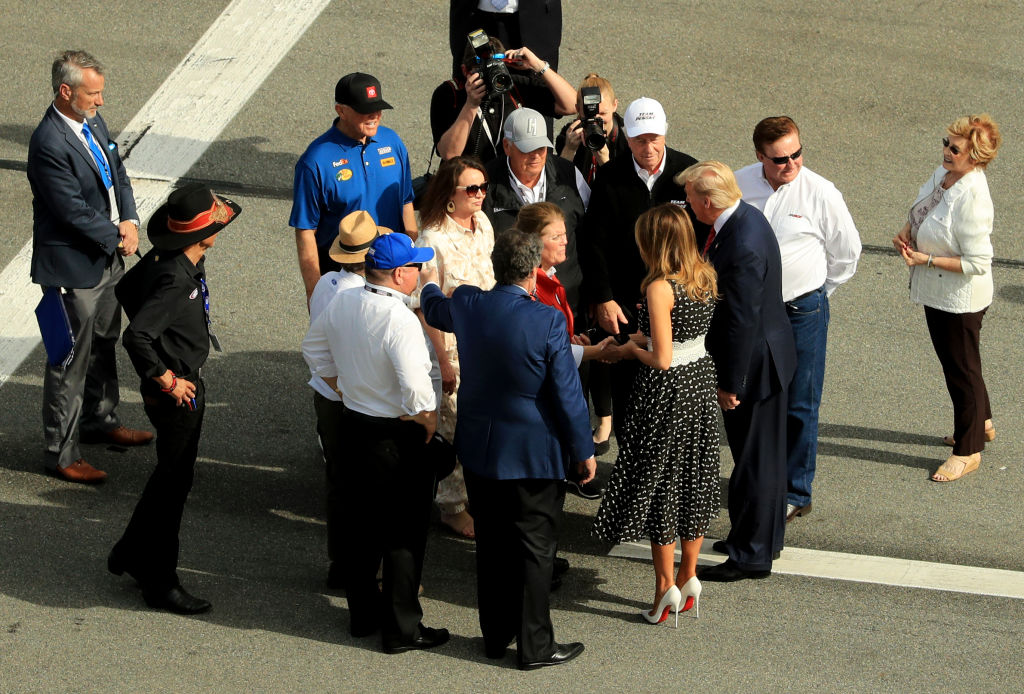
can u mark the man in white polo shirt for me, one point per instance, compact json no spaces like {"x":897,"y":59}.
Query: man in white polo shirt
{"x":820,"y":247}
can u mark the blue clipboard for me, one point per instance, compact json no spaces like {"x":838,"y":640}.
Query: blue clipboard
{"x":55,"y":327}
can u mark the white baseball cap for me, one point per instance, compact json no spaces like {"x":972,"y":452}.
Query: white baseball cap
{"x":645,"y":116}
{"x":526,"y":129}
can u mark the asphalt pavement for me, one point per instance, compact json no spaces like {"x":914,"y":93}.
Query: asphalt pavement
{"x":872,"y":85}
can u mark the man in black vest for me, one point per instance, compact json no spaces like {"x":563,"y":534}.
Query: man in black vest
{"x":526,"y":174}
{"x":624,"y":188}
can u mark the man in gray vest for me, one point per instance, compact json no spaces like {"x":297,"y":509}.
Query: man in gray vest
{"x":526,"y":174}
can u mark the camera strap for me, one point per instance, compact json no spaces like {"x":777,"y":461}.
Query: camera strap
{"x":486,"y":128}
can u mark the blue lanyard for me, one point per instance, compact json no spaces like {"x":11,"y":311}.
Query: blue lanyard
{"x":206,"y":309}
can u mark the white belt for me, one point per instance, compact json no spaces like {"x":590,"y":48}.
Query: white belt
{"x":685,"y":352}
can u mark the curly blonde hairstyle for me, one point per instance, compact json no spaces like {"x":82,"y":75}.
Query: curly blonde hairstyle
{"x":668,"y":247}
{"x":983,"y":134}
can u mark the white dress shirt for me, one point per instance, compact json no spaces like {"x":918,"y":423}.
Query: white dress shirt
{"x":650,"y":179}
{"x":817,"y":238}
{"x":328,"y":287}
{"x":76,"y":128}
{"x":538,"y":193}
{"x":373,"y":343}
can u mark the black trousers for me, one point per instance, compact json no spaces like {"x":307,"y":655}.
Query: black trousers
{"x":386,"y":500}
{"x":622,"y":374}
{"x":756,"y":431}
{"x":149,"y":546}
{"x":328,"y":426}
{"x":516,"y":524}
{"x":599,"y":385}
{"x":957,"y":341}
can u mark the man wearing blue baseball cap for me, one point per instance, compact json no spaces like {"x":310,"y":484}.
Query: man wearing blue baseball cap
{"x":370,"y":347}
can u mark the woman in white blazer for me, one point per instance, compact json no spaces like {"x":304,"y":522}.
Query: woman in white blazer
{"x":947,"y":245}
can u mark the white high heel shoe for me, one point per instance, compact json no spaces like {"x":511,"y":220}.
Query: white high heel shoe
{"x":690,"y":589}
{"x":669,"y":601}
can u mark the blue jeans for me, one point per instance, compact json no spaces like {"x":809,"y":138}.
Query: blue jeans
{"x":808,"y":316}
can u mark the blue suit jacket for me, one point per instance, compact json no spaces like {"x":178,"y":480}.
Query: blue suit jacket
{"x":750,"y":338}
{"x":72,"y":235}
{"x":521,"y":408}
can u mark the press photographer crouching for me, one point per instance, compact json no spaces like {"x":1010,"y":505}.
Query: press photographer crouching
{"x":467,"y":117}
{"x":595,"y":137}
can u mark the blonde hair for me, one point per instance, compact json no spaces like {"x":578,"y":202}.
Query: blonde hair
{"x":537,"y":215}
{"x":594,"y":80}
{"x":668,"y":247}
{"x":983,"y":134}
{"x":714,"y":181}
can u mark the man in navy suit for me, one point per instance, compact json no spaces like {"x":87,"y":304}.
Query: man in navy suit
{"x":521,"y":415}
{"x":751,"y":343}
{"x":84,"y":220}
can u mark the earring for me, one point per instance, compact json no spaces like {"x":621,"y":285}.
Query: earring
{"x":450,"y":206}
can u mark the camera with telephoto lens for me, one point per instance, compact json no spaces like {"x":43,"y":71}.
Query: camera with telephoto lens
{"x":490,"y":65}
{"x":593,"y":124}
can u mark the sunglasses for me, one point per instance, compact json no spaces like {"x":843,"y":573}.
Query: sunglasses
{"x":952,"y":148}
{"x":782,"y":161}
{"x":418,"y":266}
{"x":474,"y":189}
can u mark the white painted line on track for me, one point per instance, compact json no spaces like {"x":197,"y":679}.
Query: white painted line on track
{"x":906,"y":573}
{"x":172,"y":131}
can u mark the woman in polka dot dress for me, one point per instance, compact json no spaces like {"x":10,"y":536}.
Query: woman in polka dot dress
{"x":665,"y":480}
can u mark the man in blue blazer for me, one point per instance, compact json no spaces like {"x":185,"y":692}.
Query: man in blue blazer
{"x":521,"y":416}
{"x":84,"y":220}
{"x":751,"y":342}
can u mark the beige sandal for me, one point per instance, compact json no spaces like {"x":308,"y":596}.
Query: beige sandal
{"x":990,"y":435}
{"x":956,"y":466}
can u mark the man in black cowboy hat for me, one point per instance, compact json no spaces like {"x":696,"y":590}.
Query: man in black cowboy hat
{"x":168,"y":340}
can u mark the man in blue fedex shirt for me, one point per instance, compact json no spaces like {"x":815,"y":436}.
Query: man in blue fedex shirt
{"x":358,"y":164}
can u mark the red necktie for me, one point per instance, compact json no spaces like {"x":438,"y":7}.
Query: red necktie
{"x":711,"y":237}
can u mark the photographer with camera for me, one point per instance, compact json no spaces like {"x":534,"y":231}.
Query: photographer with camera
{"x":595,"y":137}
{"x":467,"y":117}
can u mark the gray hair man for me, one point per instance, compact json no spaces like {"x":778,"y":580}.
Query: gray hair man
{"x":83,"y":222}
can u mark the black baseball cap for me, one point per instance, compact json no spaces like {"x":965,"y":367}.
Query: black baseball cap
{"x":361,"y":92}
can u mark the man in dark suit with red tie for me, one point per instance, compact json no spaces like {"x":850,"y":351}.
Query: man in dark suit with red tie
{"x":751,"y":342}
{"x":84,"y":221}
{"x":521,"y":414}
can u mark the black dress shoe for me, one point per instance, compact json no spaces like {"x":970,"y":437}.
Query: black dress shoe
{"x":722,"y":548}
{"x":564,"y":652}
{"x":428,"y":638}
{"x":601,"y":447}
{"x":590,"y":490}
{"x":176,"y":600}
{"x":559,"y":567}
{"x":727,"y":571}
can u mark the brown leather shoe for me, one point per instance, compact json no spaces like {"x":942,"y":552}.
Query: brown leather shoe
{"x":80,"y":471}
{"x":121,"y":436}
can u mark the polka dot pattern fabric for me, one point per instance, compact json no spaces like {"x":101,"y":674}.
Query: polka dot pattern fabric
{"x":665,"y":482}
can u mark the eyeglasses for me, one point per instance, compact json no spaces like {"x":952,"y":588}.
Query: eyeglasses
{"x":418,"y":266}
{"x":782,"y":161}
{"x":952,"y":148}
{"x":474,"y":189}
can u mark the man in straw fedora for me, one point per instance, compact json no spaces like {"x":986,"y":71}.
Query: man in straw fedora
{"x":356,"y":232}
{"x":168,"y":340}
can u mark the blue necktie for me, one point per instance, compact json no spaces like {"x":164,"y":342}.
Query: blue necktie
{"x":97,"y":154}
